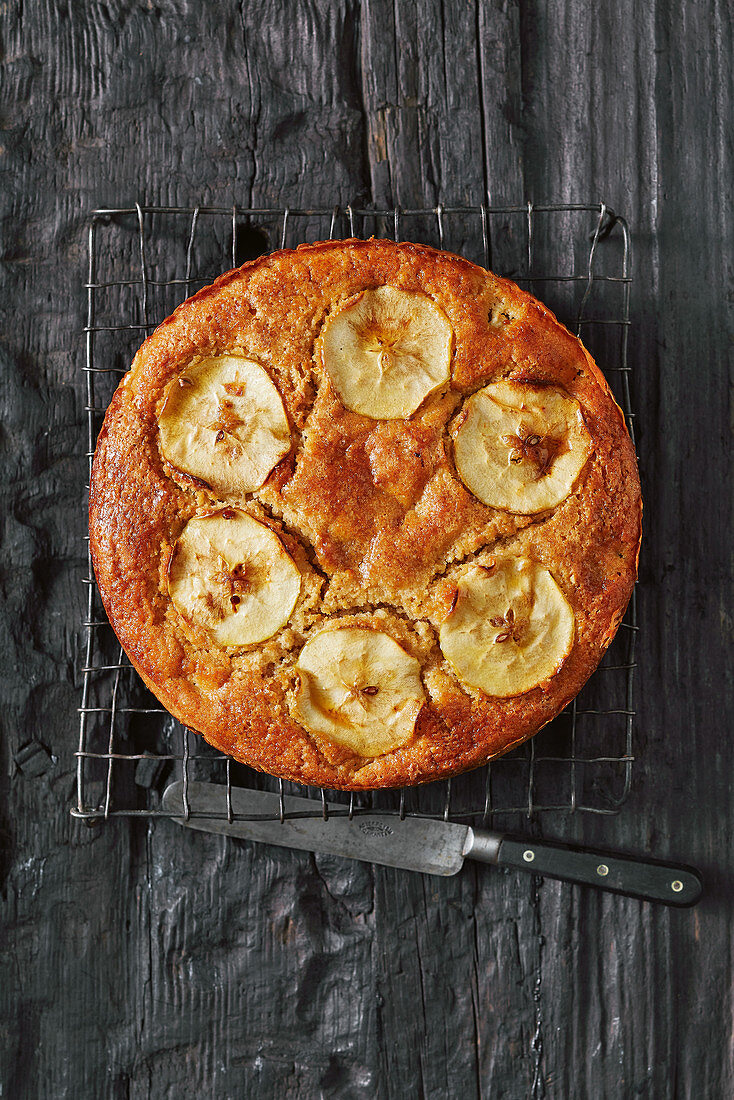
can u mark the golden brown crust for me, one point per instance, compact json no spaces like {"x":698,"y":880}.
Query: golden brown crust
{"x":372,"y":512}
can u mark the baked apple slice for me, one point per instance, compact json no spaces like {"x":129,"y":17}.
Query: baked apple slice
{"x":521,"y":447}
{"x":358,"y":688}
{"x":510,"y":628}
{"x":385,"y":350}
{"x":232,"y":576}
{"x":223,"y":422}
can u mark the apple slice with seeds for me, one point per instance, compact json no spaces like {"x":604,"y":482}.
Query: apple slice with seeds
{"x":510,"y":628}
{"x":232,"y":576}
{"x":385,"y":350}
{"x":223,"y":422}
{"x":521,"y":447}
{"x":358,"y":688}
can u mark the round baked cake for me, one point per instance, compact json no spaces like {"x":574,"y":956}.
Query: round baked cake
{"x":363,"y":514}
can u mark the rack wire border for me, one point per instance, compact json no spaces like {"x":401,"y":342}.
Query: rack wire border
{"x":606,"y":222}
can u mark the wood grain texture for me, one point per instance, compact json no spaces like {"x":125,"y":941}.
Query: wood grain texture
{"x":140,"y":961}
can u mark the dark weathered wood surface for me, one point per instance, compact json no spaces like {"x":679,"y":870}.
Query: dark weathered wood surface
{"x":142,"y":961}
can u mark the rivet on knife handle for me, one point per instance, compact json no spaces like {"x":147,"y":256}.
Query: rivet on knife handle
{"x":652,"y":881}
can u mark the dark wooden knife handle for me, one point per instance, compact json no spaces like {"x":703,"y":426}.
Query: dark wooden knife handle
{"x":639,"y":878}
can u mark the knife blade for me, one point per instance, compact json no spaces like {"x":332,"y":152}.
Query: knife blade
{"x":426,"y":844}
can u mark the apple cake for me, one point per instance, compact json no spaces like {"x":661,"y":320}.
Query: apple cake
{"x":363,"y":514}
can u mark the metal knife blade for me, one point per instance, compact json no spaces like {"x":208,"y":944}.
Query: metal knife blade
{"x":415,"y":844}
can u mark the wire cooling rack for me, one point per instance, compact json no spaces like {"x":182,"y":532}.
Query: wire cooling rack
{"x":143,"y":261}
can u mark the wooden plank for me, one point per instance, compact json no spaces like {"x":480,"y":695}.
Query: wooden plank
{"x":628,"y":993}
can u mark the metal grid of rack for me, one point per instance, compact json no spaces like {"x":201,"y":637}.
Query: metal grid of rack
{"x":143,"y":261}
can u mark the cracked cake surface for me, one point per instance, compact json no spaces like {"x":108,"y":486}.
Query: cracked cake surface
{"x":363,"y":514}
